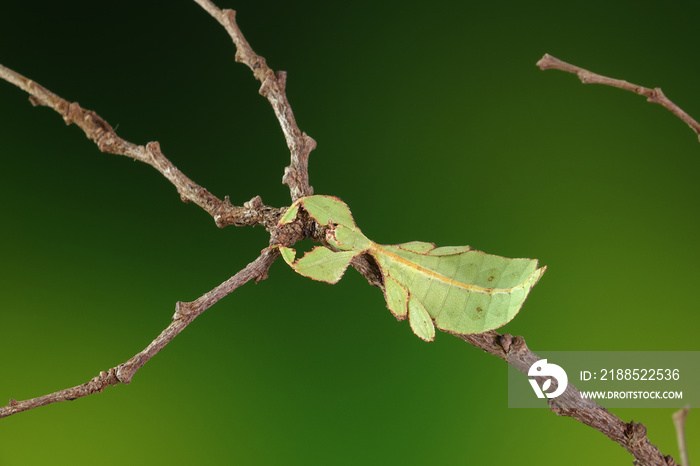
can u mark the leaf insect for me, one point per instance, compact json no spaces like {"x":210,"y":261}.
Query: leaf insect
{"x":454,"y":288}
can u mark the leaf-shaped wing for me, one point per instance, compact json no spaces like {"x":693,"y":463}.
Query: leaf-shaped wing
{"x":396,"y":297}
{"x":290,"y":214}
{"x":328,"y":209}
{"x":463,"y":290}
{"x":420,"y":320}
{"x":320,"y":263}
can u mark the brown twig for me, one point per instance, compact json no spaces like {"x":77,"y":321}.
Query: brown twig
{"x":631,"y":436}
{"x":102,"y":134}
{"x":679,"y":422}
{"x":548,"y":62}
{"x":296,"y":175}
{"x":185,"y":313}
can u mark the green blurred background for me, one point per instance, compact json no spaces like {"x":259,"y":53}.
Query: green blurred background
{"x":433,"y":124}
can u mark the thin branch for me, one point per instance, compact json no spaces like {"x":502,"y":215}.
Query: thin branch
{"x":102,"y":134}
{"x":631,"y":436}
{"x":296,"y":176}
{"x":548,"y":62}
{"x":184,"y":314}
{"x":679,"y":421}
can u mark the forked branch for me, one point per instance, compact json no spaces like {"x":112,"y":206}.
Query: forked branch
{"x":656,"y":95}
{"x":253,"y":212}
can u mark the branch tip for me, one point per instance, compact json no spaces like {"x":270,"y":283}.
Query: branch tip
{"x":273,"y":88}
{"x":679,"y":423}
{"x":655,"y":95}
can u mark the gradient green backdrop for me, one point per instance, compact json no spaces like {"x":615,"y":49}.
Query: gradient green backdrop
{"x":433,"y":124}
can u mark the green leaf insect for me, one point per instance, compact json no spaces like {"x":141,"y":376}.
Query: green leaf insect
{"x":455,"y":288}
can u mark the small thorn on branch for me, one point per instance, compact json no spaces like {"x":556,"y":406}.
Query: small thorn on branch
{"x":254,"y":204}
{"x":635,"y":432}
{"x":506,"y":340}
{"x":282,"y":80}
